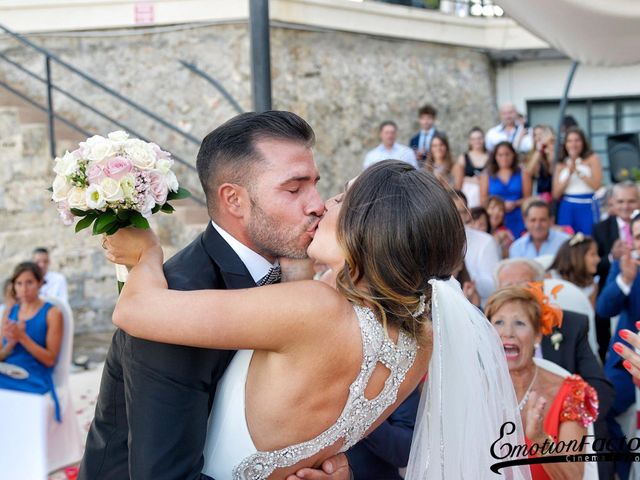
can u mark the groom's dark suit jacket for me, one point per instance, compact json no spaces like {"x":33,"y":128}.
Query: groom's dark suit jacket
{"x":154,"y":401}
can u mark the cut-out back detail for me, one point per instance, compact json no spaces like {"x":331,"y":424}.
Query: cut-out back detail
{"x":359,"y":413}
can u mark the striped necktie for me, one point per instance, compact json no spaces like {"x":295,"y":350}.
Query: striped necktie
{"x":274,"y":276}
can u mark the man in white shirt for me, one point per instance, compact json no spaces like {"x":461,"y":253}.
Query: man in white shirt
{"x":389,"y":149}
{"x":55,"y":285}
{"x":509,"y":131}
{"x":483,"y":252}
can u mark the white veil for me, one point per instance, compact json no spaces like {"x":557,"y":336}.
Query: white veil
{"x":467,"y":398}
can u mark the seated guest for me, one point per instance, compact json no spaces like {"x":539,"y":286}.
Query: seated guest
{"x":577,"y":262}
{"x":577,"y":176}
{"x":468,"y":285}
{"x":388,"y":148}
{"x":505,"y":179}
{"x":621,"y":296}
{"x":439,"y":159}
{"x":470,"y":165}
{"x":553,"y":408}
{"x":568,"y":345}
{"x":480,"y":219}
{"x":540,"y":238}
{"x":421,"y":141}
{"x":613,"y":237}
{"x":55,"y":285}
{"x":541,"y":159}
{"x":31,"y":335}
{"x":496,"y":211}
{"x":385,"y":450}
{"x":482,"y":254}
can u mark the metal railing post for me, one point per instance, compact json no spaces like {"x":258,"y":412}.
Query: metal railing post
{"x":50,"y":113}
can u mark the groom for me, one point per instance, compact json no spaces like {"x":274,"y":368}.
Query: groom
{"x":154,"y":402}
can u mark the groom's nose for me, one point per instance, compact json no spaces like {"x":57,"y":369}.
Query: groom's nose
{"x":315,"y":206}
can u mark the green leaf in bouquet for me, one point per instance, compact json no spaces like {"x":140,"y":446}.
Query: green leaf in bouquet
{"x":179,"y":195}
{"x":124,"y":214}
{"x":138,"y":221}
{"x":156,"y":209}
{"x":104,"y":222}
{"x":50,"y":189}
{"x":114,"y":228}
{"x":85,"y":222}
{"x":166,"y":208}
{"x":80,"y":213}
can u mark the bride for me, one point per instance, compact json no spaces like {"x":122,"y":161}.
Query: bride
{"x":323,"y":363}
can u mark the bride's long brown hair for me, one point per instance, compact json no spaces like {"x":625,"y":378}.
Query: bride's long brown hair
{"x":398,"y":228}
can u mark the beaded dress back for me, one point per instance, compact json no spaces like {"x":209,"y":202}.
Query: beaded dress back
{"x":359,"y":413}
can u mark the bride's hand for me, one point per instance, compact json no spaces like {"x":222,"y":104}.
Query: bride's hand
{"x":126,"y":246}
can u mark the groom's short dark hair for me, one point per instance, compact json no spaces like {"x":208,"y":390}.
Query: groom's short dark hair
{"x":228,"y":153}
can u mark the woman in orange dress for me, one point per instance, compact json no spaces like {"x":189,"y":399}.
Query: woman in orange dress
{"x":553,"y":409}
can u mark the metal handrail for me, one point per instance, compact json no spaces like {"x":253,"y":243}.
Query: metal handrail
{"x":52,"y":115}
{"x":101,"y":85}
{"x":225,"y":93}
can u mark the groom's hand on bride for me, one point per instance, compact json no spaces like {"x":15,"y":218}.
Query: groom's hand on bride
{"x":126,"y":246}
{"x":334,"y":468}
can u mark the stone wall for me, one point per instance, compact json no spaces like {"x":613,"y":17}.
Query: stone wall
{"x":344,"y":84}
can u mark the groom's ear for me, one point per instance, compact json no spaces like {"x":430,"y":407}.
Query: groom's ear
{"x":233,"y":199}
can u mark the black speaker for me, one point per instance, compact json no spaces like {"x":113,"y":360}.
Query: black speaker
{"x":624,"y":155}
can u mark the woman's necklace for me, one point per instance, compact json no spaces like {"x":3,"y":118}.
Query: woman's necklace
{"x":523,"y":402}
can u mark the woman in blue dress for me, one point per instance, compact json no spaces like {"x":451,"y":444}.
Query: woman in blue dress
{"x":31,"y":335}
{"x":505,"y":179}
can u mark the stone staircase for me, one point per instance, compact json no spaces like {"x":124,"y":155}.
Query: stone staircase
{"x":28,"y":218}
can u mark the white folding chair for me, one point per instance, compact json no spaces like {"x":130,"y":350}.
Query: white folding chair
{"x":64,"y":439}
{"x":572,"y":298}
{"x":590,"y":468}
{"x":545,"y":260}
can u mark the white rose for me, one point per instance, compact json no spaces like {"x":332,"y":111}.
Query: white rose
{"x":111,"y":190}
{"x":163,"y":165}
{"x":128,"y":186}
{"x":67,"y":165}
{"x":149,"y":203}
{"x":172,"y":181}
{"x":76,"y":198}
{"x":140,"y":153}
{"x":101,"y":150}
{"x":60,"y":188}
{"x":95,"y":197}
{"x":118,"y":136}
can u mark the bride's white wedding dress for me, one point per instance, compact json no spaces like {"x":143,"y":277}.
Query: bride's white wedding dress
{"x":468,"y":397}
{"x":229,"y":451}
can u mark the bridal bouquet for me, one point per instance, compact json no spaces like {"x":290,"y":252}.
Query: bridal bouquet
{"x":114,"y":182}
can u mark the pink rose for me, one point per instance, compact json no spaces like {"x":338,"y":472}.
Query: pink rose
{"x":118,"y":167}
{"x":158,"y":188}
{"x":95,"y":174}
{"x":159,"y":152}
{"x":65,"y":213}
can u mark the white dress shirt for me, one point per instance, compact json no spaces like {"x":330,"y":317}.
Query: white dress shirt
{"x":498,"y":134}
{"x":256,"y":264}
{"x":397,"y":152}
{"x":483,"y":255}
{"x":55,"y":286}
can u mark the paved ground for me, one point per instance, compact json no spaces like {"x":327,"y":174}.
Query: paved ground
{"x":94,"y":346}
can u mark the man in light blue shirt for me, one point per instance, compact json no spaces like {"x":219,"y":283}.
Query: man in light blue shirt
{"x":540,"y":239}
{"x":389,"y":149}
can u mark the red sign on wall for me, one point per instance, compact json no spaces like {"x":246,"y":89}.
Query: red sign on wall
{"x":143,"y":13}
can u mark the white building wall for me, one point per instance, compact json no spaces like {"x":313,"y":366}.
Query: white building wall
{"x":544,"y":80}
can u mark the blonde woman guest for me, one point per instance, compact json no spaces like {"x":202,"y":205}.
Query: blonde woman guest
{"x":553,"y":409}
{"x":540,"y":161}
